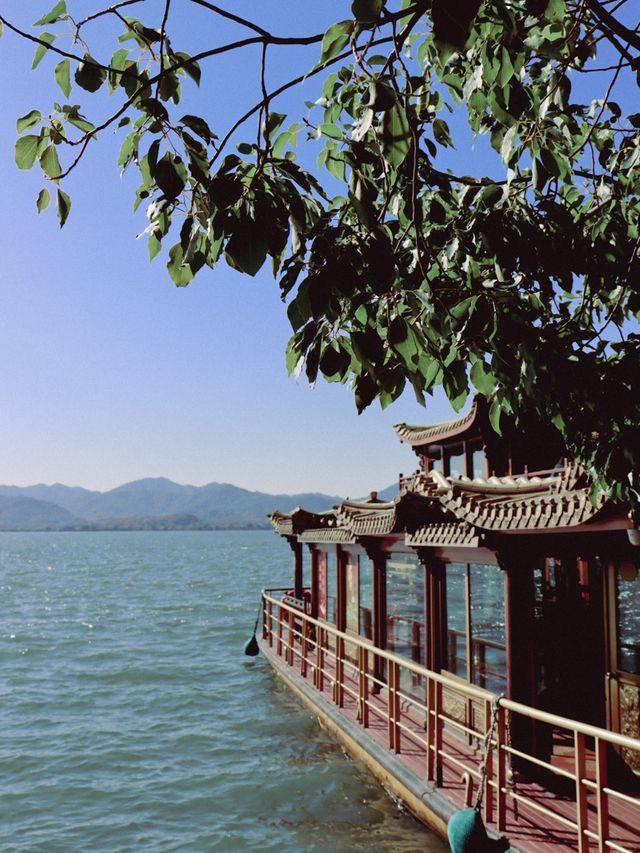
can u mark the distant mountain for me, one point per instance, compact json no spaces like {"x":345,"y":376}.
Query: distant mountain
{"x":152,"y":503}
{"x":30,"y":514}
{"x":389,"y":493}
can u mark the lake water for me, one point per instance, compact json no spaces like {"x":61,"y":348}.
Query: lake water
{"x":131,"y":720}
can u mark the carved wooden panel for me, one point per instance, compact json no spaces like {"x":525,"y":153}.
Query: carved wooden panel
{"x":630,"y":721}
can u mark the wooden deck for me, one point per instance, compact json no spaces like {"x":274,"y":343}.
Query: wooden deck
{"x":526,"y":827}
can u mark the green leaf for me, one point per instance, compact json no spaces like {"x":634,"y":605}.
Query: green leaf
{"x":26,"y":150}
{"x":455,"y":388}
{"x":246,"y":251}
{"x":507,"y":143}
{"x":168,"y":176}
{"x":396,"y":135}
{"x":366,"y":11}
{"x":49,"y":162}
{"x":153,"y":245}
{"x":63,"y":206}
{"x":28,"y":120}
{"x":56,"y":14}
{"x":198,"y":125}
{"x":42,"y":202}
{"x":441,"y":133}
{"x":128,"y":149}
{"x":556,"y":10}
{"x":49,"y":38}
{"x":335,"y":38}
{"x":494,"y":416}
{"x":274,"y":122}
{"x":506,"y":69}
{"x":62,"y":77}
{"x":482,"y":378}
{"x":81,"y":123}
{"x":181,"y":273}
{"x":191,"y":67}
{"x":88,"y":75}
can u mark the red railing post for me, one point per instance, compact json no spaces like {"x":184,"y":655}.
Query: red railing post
{"x":582,"y":816}
{"x":394,"y":698}
{"x":438,"y":731}
{"x":363,"y":686}
{"x":339,"y":672}
{"x":601,"y":795}
{"x":430,"y":694}
{"x":304,"y":649}
{"x":501,"y":770}
{"x":319,"y":671}
{"x":279,"y":632}
{"x":391,"y":704}
{"x":289,"y":654}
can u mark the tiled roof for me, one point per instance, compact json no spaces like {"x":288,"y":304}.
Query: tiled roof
{"x":417,"y":435}
{"x":335,"y":535}
{"x":368,"y":519}
{"x":444,"y":534}
{"x":434,"y":510}
{"x":557,"y":500}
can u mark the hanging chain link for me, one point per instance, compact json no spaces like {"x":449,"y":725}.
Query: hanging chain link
{"x":487,"y":747}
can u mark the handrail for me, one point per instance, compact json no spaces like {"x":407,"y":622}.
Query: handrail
{"x":374,"y":680}
{"x":566,"y":722}
{"x":472,"y":691}
{"x":446,"y":681}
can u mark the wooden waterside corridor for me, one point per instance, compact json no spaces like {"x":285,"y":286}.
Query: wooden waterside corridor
{"x":434,"y":727}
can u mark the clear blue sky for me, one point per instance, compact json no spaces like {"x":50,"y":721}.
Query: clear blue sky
{"x":109,"y":373}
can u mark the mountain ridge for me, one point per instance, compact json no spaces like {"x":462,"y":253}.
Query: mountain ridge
{"x":149,"y":503}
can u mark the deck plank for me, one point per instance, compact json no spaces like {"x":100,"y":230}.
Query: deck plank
{"x":527,"y":829}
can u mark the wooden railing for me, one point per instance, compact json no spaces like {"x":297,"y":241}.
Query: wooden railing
{"x":451,"y":742}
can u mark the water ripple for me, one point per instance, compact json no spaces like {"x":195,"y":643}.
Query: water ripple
{"x":132,"y":722}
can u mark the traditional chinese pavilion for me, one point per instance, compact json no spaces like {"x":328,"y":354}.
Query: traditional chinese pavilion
{"x":492,"y":572}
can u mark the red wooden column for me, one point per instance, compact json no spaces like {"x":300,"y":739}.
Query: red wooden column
{"x":313,"y":555}
{"x":296,"y":547}
{"x":435,"y":611}
{"x":519,"y":605}
{"x":379,"y":560}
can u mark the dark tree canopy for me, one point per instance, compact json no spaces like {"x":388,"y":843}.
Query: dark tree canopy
{"x":403,"y":257}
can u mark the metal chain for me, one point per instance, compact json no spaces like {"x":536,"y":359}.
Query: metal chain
{"x":486,"y":748}
{"x":511,"y":774}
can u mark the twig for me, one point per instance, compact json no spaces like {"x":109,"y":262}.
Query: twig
{"x":163,"y":35}
{"x":109,"y":11}
{"x":285,"y":86}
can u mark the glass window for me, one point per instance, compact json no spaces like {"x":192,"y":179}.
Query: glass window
{"x":478,"y":464}
{"x":488,"y":641}
{"x":457,"y":467}
{"x":352,"y":615}
{"x":366,"y":598}
{"x":456,"y":619}
{"x":628,"y":606}
{"x":306,"y":568}
{"x":332,"y":586}
{"x":405,"y":606}
{"x":488,"y":664}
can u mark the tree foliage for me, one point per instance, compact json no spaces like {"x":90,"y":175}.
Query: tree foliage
{"x":406,"y":256}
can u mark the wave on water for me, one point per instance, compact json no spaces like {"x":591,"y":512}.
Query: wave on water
{"x":133,"y":722}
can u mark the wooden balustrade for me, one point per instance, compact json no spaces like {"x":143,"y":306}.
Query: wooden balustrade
{"x":355,"y":683}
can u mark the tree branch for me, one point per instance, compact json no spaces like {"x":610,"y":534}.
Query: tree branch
{"x":289,"y":85}
{"x":630,"y":36}
{"x":109,"y":11}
